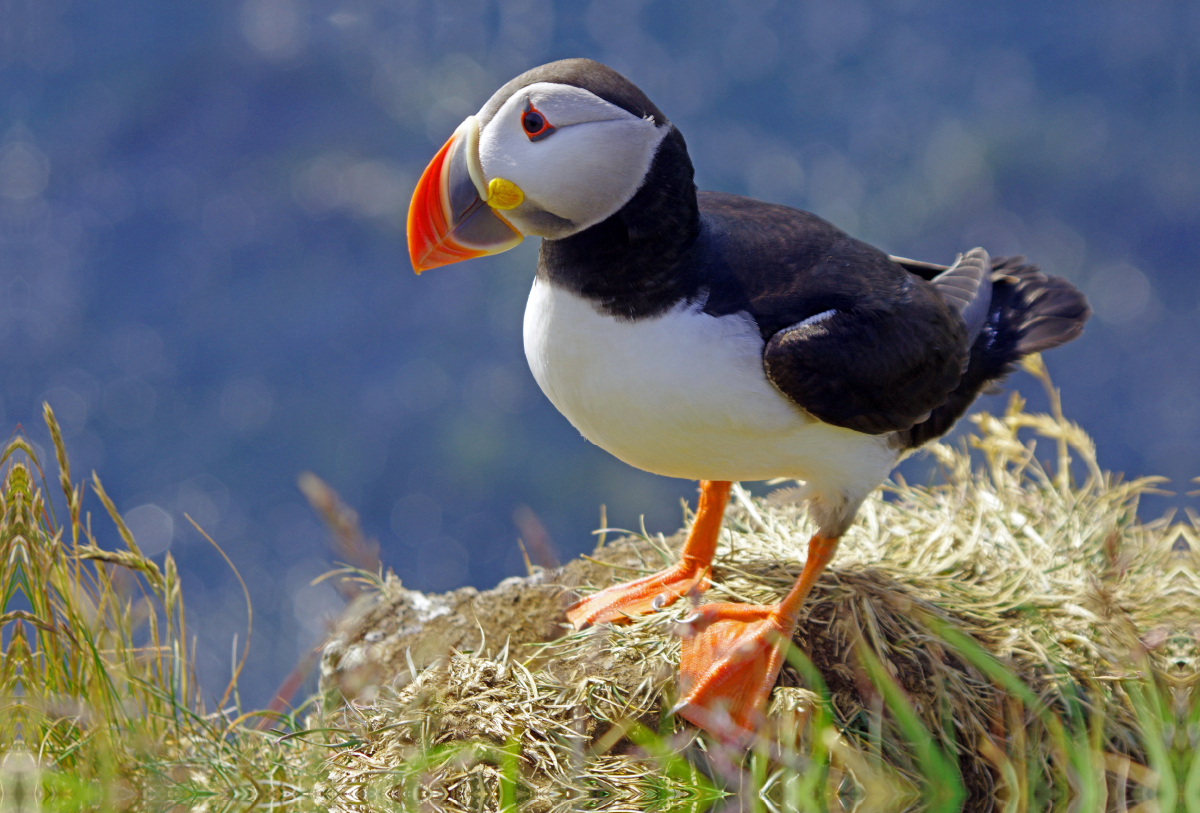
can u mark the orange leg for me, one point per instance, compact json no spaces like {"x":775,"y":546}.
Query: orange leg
{"x":653,"y":592}
{"x":733,"y":654}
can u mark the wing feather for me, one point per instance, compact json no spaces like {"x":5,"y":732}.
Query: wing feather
{"x":872,"y":370}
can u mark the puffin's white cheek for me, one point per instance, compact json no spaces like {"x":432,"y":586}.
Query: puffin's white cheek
{"x":594,"y":170}
{"x":582,"y":173}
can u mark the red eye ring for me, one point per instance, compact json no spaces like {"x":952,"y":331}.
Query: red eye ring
{"x":535,"y":124}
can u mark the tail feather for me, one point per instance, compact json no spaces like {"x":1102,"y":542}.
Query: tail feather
{"x":1030,"y":312}
{"x":1049,"y":311}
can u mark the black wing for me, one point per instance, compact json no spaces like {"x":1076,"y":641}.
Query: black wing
{"x":872,"y":370}
{"x":851,"y":337}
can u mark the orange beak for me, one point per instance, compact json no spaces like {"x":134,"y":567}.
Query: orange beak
{"x":449,"y":219}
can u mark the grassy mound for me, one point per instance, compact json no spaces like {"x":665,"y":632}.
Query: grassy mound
{"x":1011,"y":639}
{"x":1005,"y":640}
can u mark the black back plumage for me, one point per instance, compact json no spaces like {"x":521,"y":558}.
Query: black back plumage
{"x":894,"y":354}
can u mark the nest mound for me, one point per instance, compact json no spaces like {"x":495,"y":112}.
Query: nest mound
{"x":466,"y":697}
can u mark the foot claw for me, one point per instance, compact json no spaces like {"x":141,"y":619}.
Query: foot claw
{"x":691,"y":624}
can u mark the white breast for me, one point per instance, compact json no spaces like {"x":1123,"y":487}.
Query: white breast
{"x":685,"y":395}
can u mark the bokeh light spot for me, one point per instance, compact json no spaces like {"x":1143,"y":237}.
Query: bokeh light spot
{"x":276,"y":28}
{"x":246,"y":404}
{"x":1119,"y":293}
{"x":152,"y":528}
{"x":24,"y":171}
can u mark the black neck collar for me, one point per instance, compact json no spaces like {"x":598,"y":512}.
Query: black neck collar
{"x":629,"y":266}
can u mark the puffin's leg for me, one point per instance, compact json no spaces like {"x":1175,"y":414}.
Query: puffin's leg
{"x":734,"y":652}
{"x":662,"y":588}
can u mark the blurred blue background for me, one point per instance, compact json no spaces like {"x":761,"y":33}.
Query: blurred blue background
{"x":203,"y":266}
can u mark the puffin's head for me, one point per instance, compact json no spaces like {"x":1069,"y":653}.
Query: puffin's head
{"x":556,"y":150}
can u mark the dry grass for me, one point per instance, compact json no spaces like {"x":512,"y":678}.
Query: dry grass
{"x":1011,"y":639}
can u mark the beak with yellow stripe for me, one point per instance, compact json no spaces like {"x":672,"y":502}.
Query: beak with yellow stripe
{"x":454,"y":215}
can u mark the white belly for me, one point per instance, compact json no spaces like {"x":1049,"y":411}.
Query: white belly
{"x":685,"y":395}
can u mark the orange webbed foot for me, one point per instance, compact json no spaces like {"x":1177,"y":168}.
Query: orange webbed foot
{"x":732,"y":654}
{"x":687,"y":576}
{"x":640,"y":596}
{"x":731,"y":658}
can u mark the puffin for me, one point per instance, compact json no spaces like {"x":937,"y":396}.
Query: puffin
{"x":718,"y":338}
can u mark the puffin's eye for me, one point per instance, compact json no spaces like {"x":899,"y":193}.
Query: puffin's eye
{"x":535,"y":124}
